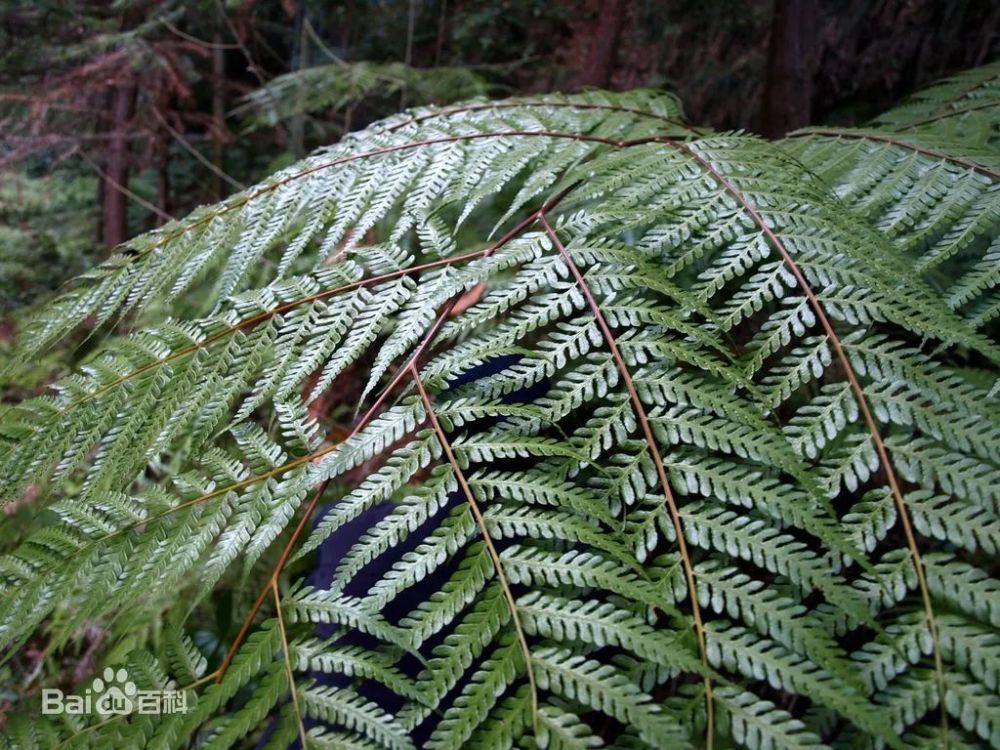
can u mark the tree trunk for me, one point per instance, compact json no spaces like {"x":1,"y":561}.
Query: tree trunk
{"x":601,"y":55}
{"x":114,"y":218}
{"x":791,"y":64}
{"x":299,"y":61}
{"x":346,"y":30}
{"x":218,"y":107}
{"x":162,"y":154}
{"x":441,"y":32}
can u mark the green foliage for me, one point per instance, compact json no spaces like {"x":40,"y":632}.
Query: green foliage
{"x":341,"y":85}
{"x":46,"y":234}
{"x":655,"y":302}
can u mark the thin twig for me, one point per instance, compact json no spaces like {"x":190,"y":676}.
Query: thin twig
{"x":179,"y":137}
{"x":320,"y":43}
{"x":251,"y":64}
{"x":124,"y":190}
{"x":195,"y":40}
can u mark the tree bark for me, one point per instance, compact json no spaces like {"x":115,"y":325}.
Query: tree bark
{"x":114,"y":211}
{"x":601,"y":55}
{"x":441,"y":32}
{"x":162,"y":155}
{"x":218,"y":106}
{"x":299,"y":61}
{"x":791,"y":64}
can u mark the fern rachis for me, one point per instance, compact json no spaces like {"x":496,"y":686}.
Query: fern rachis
{"x":679,"y":469}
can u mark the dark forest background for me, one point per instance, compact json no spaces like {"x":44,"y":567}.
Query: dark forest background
{"x":116,"y":116}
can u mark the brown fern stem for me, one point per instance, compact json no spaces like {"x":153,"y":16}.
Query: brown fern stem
{"x":289,"y":671}
{"x":865,"y":136}
{"x":362,"y":423}
{"x":380,"y":400}
{"x":267,"y":315}
{"x":487,"y":540}
{"x":310,"y":457}
{"x":170,"y":237}
{"x":524,"y":105}
{"x":967,"y":91}
{"x":272,"y":581}
{"x":310,"y":509}
{"x":859,"y":396}
{"x":654,"y":453}
{"x":947,"y":115}
{"x":367,"y":155}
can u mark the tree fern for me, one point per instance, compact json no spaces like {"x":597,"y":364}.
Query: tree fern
{"x":340,"y":85}
{"x":663,"y":437}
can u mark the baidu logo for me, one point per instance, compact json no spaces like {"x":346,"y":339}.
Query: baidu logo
{"x":114,"y":694}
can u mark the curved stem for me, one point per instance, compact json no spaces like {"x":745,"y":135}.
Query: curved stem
{"x":250,"y":322}
{"x":526,"y":105}
{"x":368,"y":416}
{"x":862,"y":402}
{"x":289,"y":672}
{"x":661,"y":472}
{"x":946,"y":115}
{"x":864,"y":136}
{"x":487,"y":540}
{"x":207,"y":218}
{"x":271,"y":582}
{"x":267,"y":315}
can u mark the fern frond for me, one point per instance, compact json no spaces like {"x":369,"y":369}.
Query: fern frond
{"x":702,"y":446}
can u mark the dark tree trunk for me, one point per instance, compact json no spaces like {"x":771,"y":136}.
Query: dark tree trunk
{"x":114,"y":218}
{"x":601,"y":56}
{"x":218,"y":106}
{"x":162,"y":156}
{"x":441,"y":33}
{"x":347,"y":30}
{"x":299,"y":61}
{"x":791,"y":64}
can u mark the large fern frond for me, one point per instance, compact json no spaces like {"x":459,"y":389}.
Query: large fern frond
{"x":680,"y":437}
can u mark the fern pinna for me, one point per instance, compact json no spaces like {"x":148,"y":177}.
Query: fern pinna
{"x":664,"y":438}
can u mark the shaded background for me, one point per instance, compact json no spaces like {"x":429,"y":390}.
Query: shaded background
{"x":117,"y":115}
